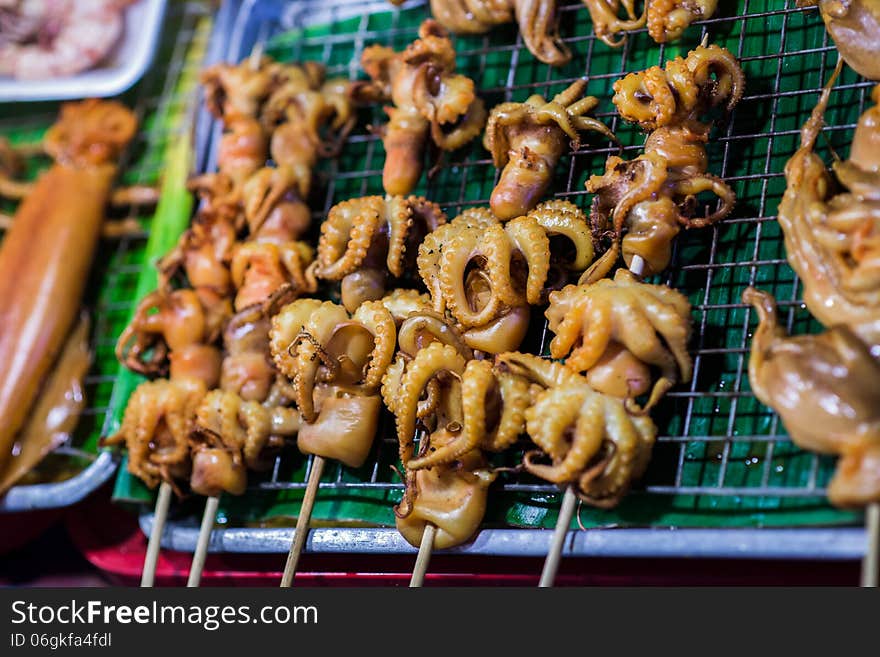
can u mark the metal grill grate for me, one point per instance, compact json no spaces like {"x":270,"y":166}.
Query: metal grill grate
{"x":118,"y":262}
{"x":718,"y":449}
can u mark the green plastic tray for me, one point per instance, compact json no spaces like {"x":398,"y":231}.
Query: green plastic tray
{"x":722,"y":459}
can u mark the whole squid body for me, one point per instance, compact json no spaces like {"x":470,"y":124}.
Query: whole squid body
{"x":47,"y":253}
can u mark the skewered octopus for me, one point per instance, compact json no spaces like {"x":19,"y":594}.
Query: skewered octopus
{"x":643,"y":203}
{"x":160,"y":414}
{"x":621,"y":327}
{"x":485,"y":274}
{"x":470,"y":404}
{"x":684,"y":90}
{"x":607,"y":23}
{"x":449,"y":485}
{"x":536,"y":19}
{"x":832,"y":238}
{"x":170,"y":329}
{"x":428,"y":98}
{"x":335,"y":362}
{"x":364,"y":238}
{"x":231,"y":435}
{"x":591,"y":438}
{"x":528,"y":139}
{"x":308,"y":116}
{"x":825,"y":389}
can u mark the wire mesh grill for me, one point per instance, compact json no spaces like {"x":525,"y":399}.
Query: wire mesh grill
{"x":118,"y":262}
{"x":718,"y":449}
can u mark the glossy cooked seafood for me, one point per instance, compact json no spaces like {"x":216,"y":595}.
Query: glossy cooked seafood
{"x":642,"y":204}
{"x":450,"y":489}
{"x":854,"y":25}
{"x":825,"y":389}
{"x":528,"y":139}
{"x":429,"y":101}
{"x":607,"y":22}
{"x":46,"y":255}
{"x":536,"y":19}
{"x":51,"y":39}
{"x":831,"y":230}
{"x":591,"y":439}
{"x":486,"y":274}
{"x":615,"y":330}
{"x":335,"y":363}
{"x":363,"y":240}
{"x":684,"y":90}
{"x":668,"y":19}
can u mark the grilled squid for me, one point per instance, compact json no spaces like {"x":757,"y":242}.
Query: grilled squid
{"x":825,"y":389}
{"x":429,"y":101}
{"x":854,"y":25}
{"x":46,"y":255}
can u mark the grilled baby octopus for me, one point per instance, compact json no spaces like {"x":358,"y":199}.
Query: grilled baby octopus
{"x":825,"y":389}
{"x":536,"y":20}
{"x":526,"y":141}
{"x":592,"y":440}
{"x":335,"y":363}
{"x":668,"y":19}
{"x":643,"y":203}
{"x":429,"y":100}
{"x":684,"y":90}
{"x":614,"y":330}
{"x":832,"y":238}
{"x":607,"y":23}
{"x":485,"y":274}
{"x":364,"y":239}
{"x":447,"y":481}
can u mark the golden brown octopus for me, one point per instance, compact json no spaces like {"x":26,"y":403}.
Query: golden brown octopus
{"x":365,"y":239}
{"x":826,"y":389}
{"x":607,"y":22}
{"x":170,"y":333}
{"x":616,"y":330}
{"x":668,"y":19}
{"x":592,"y":440}
{"x":446,"y":483}
{"x":685,"y":89}
{"x":429,"y":99}
{"x":528,"y":139}
{"x":832,"y":224}
{"x":335,"y":363}
{"x":642,"y":204}
{"x":485,"y":273}
{"x":536,"y":19}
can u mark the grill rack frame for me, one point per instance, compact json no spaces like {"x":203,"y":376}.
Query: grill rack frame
{"x":842,"y":542}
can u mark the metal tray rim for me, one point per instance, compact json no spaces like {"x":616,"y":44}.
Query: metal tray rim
{"x":826,"y":543}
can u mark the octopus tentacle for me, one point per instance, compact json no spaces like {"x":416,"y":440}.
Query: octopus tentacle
{"x":423,"y":327}
{"x":606,"y":20}
{"x":373,"y":316}
{"x":564,"y":218}
{"x":531,"y":240}
{"x":286,"y":325}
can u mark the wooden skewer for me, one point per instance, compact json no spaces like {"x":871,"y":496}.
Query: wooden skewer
{"x":198,"y":562}
{"x":302,"y":522}
{"x":425,"y":549}
{"x":870,"y":561}
{"x":566,"y":510}
{"x":159,"y":515}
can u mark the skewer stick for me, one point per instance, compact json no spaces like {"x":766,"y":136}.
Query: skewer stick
{"x":566,"y":511}
{"x":198,"y":562}
{"x":159,"y":515}
{"x":302,"y":522}
{"x":424,"y":557}
{"x":870,"y":561}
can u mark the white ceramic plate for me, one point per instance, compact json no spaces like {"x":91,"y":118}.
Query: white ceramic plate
{"x":121,"y":69}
